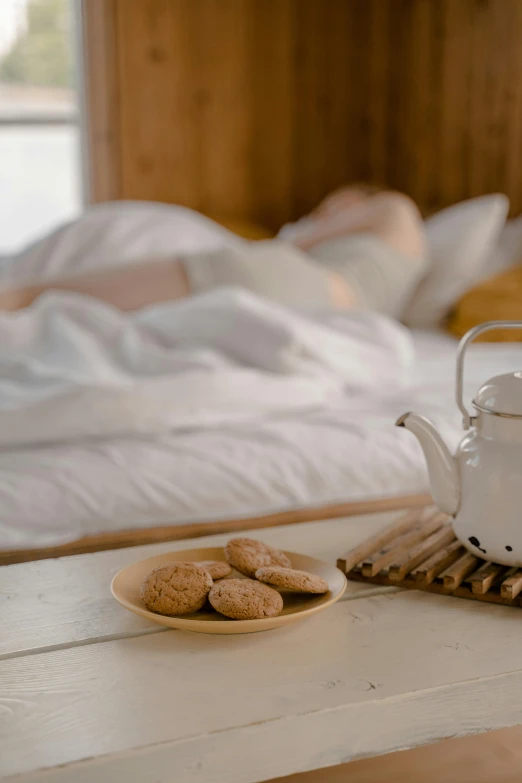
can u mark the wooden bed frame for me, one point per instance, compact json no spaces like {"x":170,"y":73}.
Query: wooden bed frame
{"x":157,"y":535}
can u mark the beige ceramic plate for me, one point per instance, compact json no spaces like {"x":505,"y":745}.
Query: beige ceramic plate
{"x":125,"y":588}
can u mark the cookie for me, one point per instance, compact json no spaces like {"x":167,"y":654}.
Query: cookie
{"x":216,"y":568}
{"x":247,"y":555}
{"x":245,"y":599}
{"x":292,"y":579}
{"x":176,"y":588}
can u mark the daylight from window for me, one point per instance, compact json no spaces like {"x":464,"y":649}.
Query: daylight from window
{"x":40,"y":185}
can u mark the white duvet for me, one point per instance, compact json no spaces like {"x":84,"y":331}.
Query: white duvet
{"x":73,"y":368}
{"x":349,"y":450}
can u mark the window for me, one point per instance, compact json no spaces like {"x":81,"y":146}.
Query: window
{"x":40,"y":169}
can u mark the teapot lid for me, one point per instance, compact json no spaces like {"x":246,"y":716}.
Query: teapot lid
{"x":501,"y":395}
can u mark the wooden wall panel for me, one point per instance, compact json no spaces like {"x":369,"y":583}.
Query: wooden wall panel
{"x":102,"y":89}
{"x":270,"y":165}
{"x":257,"y":108}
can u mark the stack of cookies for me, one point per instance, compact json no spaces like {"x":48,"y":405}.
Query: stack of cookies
{"x":182,"y":588}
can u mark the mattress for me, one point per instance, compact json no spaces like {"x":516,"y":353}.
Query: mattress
{"x":58,"y":493}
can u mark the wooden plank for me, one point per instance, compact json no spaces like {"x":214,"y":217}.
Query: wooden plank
{"x":158,"y":151}
{"x":495,"y":756}
{"x":272,"y":160}
{"x":319,"y":708}
{"x":485,"y":576}
{"x":437,"y":588}
{"x":512,"y":586}
{"x":311,"y":61}
{"x":426,"y":572}
{"x":346,"y":23}
{"x":417,"y":137}
{"x":102,"y":99}
{"x":513,"y":107}
{"x":397,"y":547}
{"x":377,"y":541}
{"x":419,"y":553}
{"x":451,"y":181}
{"x":150,"y":535}
{"x":220,"y":35}
{"x":50,"y":604}
{"x":453,"y":576}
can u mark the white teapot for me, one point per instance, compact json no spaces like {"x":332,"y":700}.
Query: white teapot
{"x":482,"y":485}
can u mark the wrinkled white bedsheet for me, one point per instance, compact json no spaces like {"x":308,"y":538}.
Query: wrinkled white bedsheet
{"x":57,"y":493}
{"x":73,"y":368}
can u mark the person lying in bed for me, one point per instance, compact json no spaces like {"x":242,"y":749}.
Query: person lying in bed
{"x":360,"y":248}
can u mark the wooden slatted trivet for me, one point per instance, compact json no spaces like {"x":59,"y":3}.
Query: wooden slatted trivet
{"x":420,"y":552}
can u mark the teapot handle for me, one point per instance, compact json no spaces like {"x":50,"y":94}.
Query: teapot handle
{"x":488,"y":326}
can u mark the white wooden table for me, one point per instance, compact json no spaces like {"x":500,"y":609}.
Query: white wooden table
{"x":89,"y":691}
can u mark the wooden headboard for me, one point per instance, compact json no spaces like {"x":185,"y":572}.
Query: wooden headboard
{"x":254,"y":109}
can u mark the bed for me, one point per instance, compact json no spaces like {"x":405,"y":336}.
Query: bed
{"x":345,"y":458}
{"x":67,"y":498}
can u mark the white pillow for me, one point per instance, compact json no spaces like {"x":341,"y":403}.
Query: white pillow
{"x":460,"y":242}
{"x":508,"y":252}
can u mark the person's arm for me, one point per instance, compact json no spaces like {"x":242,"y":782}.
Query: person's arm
{"x":391,"y":216}
{"x":129,"y":288}
{"x":362,"y":216}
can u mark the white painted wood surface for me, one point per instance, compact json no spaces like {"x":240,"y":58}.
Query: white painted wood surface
{"x":373,"y":674}
{"x":53,"y":603}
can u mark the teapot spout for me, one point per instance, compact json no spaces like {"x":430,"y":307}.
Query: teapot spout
{"x":442,"y":467}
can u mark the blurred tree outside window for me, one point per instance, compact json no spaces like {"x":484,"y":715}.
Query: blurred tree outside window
{"x":41,"y":53}
{"x":39,"y":132}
